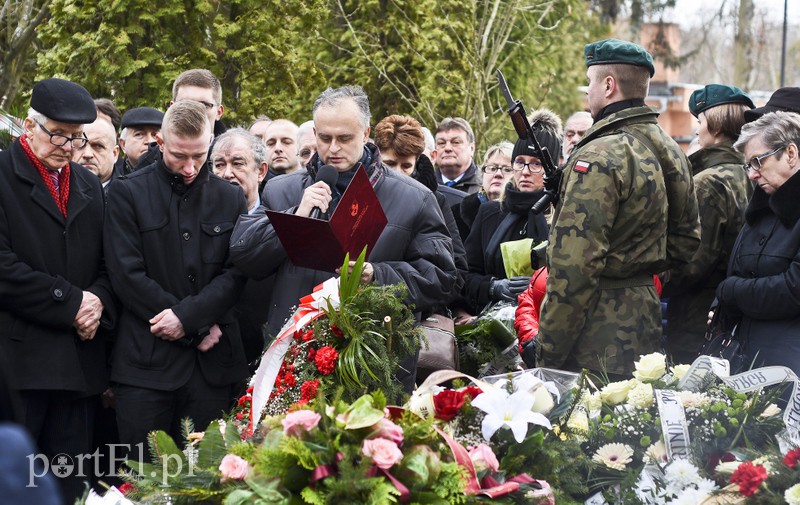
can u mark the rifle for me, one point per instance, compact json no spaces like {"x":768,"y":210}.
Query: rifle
{"x":520,"y":120}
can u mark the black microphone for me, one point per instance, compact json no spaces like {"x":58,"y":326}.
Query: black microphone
{"x":329,"y":175}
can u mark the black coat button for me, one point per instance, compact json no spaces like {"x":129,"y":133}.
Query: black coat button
{"x":58,"y":293}
{"x":187,"y":235}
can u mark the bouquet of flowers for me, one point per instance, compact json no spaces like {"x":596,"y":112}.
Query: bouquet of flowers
{"x":505,"y":423}
{"x":660,"y":436}
{"x":337,"y":452}
{"x":345,"y":334}
{"x":488,"y":346}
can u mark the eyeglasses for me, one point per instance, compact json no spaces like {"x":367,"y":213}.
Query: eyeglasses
{"x":534,"y":166}
{"x":62,"y":140}
{"x":492,"y":169}
{"x":755,"y":162}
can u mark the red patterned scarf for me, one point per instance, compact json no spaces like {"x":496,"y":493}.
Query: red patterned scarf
{"x":61,"y":196}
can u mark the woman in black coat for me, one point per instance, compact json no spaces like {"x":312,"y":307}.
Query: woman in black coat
{"x":761,"y":294}
{"x":510,"y":219}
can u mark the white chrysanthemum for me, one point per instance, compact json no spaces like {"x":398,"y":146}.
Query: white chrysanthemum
{"x":650,"y":367}
{"x":578,"y":421}
{"x":706,"y":486}
{"x":656,"y":453}
{"x":641,"y":396}
{"x":679,"y":371}
{"x":792,"y":495}
{"x":770,"y":411}
{"x":615,"y":456}
{"x":682,"y":473}
{"x":690,"y":399}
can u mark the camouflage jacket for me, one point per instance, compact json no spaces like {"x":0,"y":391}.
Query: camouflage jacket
{"x":723,"y":191}
{"x":627,"y":211}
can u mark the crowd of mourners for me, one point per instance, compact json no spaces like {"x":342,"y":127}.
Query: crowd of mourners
{"x":141,"y":277}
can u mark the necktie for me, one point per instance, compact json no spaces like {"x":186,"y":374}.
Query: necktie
{"x":450,"y":183}
{"x":54,"y":177}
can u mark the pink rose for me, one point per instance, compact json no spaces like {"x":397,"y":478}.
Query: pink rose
{"x":295,"y":424}
{"x":387,"y":429}
{"x":233,"y":467}
{"x":383,"y":452}
{"x":484,"y":459}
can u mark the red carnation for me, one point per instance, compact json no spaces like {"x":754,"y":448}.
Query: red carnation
{"x":289,"y":379}
{"x":791,"y":458}
{"x":325,"y":359}
{"x":472,"y":391}
{"x":749,"y":477}
{"x":127,"y":488}
{"x":308,"y":391}
{"x":309,"y":335}
{"x":311,"y":353}
{"x":250,"y":389}
{"x":337,"y":332}
{"x":447,"y":404}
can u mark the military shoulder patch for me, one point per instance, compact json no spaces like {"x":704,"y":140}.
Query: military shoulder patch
{"x":581,"y":166}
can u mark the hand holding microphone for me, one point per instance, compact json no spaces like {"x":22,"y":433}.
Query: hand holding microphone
{"x":318,"y":196}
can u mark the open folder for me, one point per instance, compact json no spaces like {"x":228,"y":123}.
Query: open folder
{"x":358,"y":221}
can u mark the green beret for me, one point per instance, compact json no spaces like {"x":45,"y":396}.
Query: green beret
{"x":717,"y":94}
{"x":615,"y":51}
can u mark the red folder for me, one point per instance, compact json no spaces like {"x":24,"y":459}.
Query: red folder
{"x":358,"y":221}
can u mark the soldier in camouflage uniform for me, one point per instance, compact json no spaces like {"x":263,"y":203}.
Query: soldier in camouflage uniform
{"x":722,"y":195}
{"x":627,"y":211}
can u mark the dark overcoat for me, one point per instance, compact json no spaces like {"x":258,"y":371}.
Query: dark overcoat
{"x":46,"y":262}
{"x":167,"y":247}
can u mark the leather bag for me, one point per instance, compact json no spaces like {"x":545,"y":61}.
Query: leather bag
{"x":441,"y":350}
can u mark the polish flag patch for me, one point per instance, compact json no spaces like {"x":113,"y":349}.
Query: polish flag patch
{"x":581,"y":167}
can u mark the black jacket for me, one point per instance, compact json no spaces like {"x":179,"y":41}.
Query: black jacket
{"x":415,"y":247}
{"x":510,"y":220}
{"x":763,"y":288}
{"x":167,"y":245}
{"x":46,"y":262}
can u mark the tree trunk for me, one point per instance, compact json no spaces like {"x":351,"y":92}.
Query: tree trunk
{"x":744,"y":45}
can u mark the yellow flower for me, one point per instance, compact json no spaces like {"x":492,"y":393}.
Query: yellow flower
{"x":641,"y":396}
{"x":650,"y":367}
{"x":792,"y":495}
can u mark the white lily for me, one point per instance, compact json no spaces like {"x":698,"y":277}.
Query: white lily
{"x":512,"y":410}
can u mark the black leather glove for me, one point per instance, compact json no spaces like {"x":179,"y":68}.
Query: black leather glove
{"x":516,"y":285}
{"x":528,"y":353}
{"x":553,"y":183}
{"x":424,"y":173}
{"x":499,"y":291}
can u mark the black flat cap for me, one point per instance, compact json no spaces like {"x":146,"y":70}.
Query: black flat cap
{"x":785,"y":99}
{"x":63,"y":101}
{"x":142,"y":116}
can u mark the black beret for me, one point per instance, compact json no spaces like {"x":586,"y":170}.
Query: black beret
{"x":784,"y":99}
{"x":717,"y":94}
{"x":63,"y":101}
{"x":615,"y":51}
{"x":142,"y":116}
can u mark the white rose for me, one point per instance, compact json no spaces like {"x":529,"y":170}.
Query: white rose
{"x":615,"y":392}
{"x":679,"y":371}
{"x":544,"y":400}
{"x":650,"y":367}
{"x":641,"y":396}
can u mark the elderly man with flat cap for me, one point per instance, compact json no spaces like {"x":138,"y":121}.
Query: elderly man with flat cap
{"x":54,"y":293}
{"x":627,"y":211}
{"x":138,"y":138}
